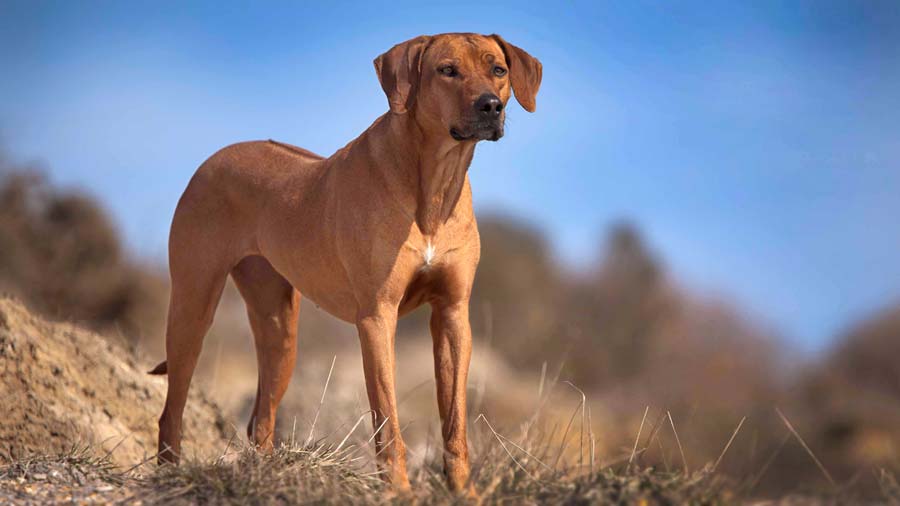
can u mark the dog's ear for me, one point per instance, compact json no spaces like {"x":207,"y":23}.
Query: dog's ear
{"x":398,"y":72}
{"x":524,"y":73}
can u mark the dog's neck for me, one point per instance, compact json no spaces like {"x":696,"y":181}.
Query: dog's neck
{"x":426,"y":173}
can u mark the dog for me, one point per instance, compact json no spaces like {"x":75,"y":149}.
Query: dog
{"x":381,"y":227}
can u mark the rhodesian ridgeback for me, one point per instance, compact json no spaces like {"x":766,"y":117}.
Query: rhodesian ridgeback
{"x":379,"y":228}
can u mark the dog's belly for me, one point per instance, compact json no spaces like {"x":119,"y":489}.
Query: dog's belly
{"x":336,"y":300}
{"x":317,"y":275}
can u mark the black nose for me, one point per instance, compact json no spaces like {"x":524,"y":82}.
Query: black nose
{"x":489,"y":106}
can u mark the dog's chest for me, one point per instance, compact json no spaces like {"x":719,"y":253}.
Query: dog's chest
{"x":422,"y":252}
{"x":429,"y":256}
{"x":427,"y":253}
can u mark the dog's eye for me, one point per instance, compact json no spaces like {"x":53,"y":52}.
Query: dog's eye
{"x":499,"y":71}
{"x":447,"y":70}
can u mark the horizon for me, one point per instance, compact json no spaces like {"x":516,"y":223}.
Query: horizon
{"x":753,"y":145}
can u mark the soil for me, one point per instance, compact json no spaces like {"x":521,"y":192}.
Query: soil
{"x":63,"y":387}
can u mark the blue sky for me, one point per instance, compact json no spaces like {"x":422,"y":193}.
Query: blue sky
{"x":757,"y":144}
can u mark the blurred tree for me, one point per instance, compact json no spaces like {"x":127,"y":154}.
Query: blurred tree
{"x":616,"y":311}
{"x":516,"y":294}
{"x":868,"y":356}
{"x":852,"y":398}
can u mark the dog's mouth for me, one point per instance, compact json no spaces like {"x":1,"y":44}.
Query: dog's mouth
{"x":477,"y":133}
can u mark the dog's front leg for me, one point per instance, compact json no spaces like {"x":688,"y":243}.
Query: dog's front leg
{"x":376,"y":336}
{"x":452,"y":337}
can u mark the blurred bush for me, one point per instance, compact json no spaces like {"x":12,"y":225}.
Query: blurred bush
{"x":851,"y":399}
{"x":60,"y":253}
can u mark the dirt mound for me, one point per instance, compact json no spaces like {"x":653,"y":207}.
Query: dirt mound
{"x":62,"y":386}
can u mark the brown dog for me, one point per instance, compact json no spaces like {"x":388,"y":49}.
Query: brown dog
{"x":379,"y":228}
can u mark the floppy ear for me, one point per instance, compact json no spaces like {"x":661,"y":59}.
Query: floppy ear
{"x":524,"y":73}
{"x":398,"y":72}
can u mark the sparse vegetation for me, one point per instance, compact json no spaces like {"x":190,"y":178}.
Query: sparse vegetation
{"x":325,"y":474}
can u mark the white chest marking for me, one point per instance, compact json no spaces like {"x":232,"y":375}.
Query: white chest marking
{"x":428,"y":255}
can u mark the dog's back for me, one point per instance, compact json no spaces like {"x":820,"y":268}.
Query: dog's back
{"x":237,"y":180}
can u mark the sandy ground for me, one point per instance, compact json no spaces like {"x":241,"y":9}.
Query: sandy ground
{"x":62,"y":386}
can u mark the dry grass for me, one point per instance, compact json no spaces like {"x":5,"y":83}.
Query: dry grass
{"x":327,"y":474}
{"x":323,"y":475}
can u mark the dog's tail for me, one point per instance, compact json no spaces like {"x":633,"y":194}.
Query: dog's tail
{"x":160,"y":370}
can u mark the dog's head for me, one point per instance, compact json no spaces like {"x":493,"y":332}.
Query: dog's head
{"x":458,"y":84}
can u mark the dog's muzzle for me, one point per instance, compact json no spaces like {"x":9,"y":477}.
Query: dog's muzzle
{"x":480,"y":131}
{"x":487,"y":121}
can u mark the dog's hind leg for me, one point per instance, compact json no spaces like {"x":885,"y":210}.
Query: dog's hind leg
{"x":272,"y":306}
{"x":196,"y":290}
